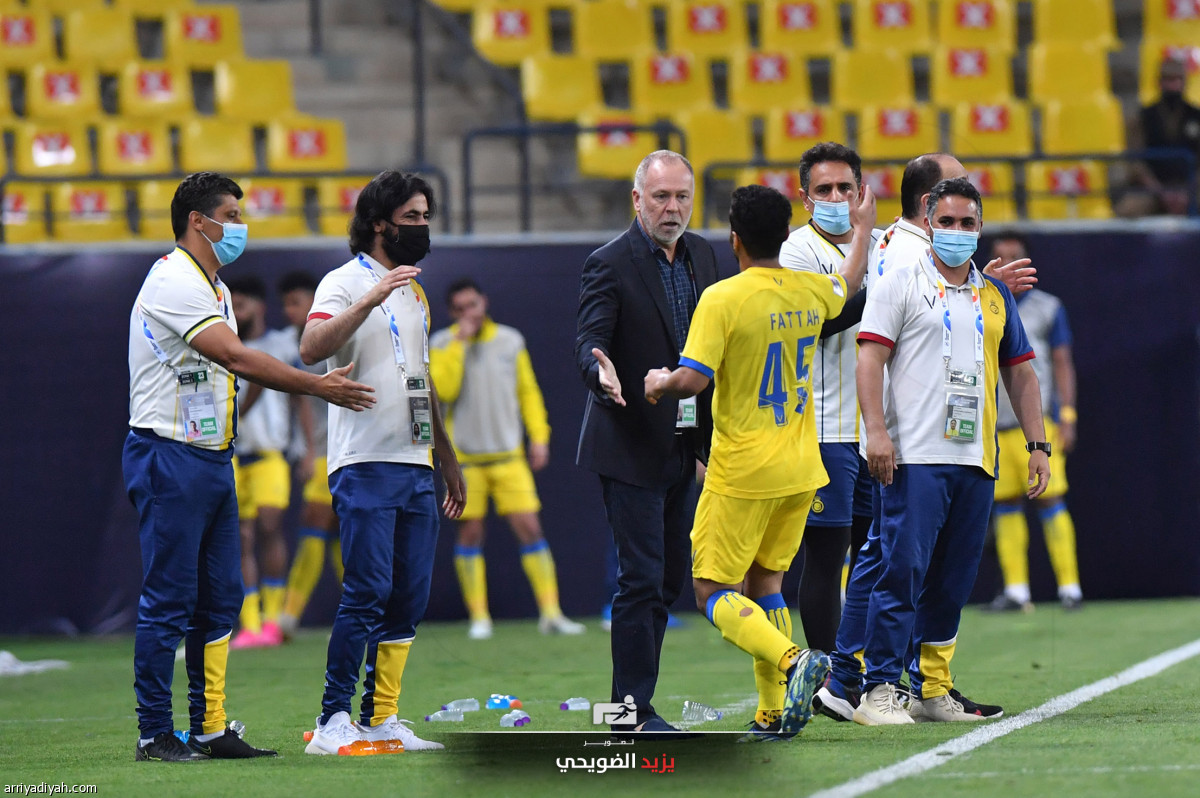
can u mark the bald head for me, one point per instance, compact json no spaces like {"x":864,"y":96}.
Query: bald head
{"x":920,"y":176}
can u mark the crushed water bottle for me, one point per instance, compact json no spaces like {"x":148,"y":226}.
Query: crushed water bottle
{"x":446,"y":714}
{"x":695,"y":712}
{"x":575,"y":703}
{"x":183,"y":735}
{"x":515,"y":718}
{"x":463,"y":705}
{"x":237,"y":727}
{"x":498,"y":701}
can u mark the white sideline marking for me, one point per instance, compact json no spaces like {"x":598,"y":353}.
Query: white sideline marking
{"x":1096,"y":771}
{"x":943,"y":753}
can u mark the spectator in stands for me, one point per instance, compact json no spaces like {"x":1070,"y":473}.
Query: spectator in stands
{"x":1161,"y":185}
{"x":485,"y":378}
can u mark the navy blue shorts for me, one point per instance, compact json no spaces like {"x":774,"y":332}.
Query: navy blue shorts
{"x":849,"y":490}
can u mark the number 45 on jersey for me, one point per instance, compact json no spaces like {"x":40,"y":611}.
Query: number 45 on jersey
{"x":772,"y":391}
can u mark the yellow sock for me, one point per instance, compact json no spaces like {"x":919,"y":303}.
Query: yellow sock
{"x":216,"y":657}
{"x":1012,"y":545}
{"x":273,"y":592}
{"x":390,"y":660}
{"x":539,"y":568}
{"x":335,"y":557}
{"x":305,"y":573}
{"x":766,"y":717}
{"x":1059,"y":531}
{"x":770,"y":683}
{"x":472,"y":578}
{"x":743,"y":623}
{"x":251,"y":615}
{"x":934,"y":665}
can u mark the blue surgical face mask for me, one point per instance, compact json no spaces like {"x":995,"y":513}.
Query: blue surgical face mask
{"x":832,"y":217}
{"x":232,"y":243}
{"x":955,"y":247}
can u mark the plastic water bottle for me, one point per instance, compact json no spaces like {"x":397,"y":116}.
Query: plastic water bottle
{"x":183,"y":735}
{"x":238,"y":728}
{"x":575,"y":703}
{"x":463,"y":705}
{"x":515,"y":718}
{"x":446,"y":714}
{"x":695,"y":712}
{"x":498,"y":701}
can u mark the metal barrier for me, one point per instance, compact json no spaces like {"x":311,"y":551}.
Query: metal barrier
{"x":522,"y":135}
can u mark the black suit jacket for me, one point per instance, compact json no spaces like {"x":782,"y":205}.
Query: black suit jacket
{"x":623,"y":312}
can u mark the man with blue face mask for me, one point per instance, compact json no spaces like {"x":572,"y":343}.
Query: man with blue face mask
{"x":184,"y":360}
{"x":945,"y":334}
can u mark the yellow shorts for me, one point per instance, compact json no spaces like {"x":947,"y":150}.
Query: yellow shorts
{"x":316,"y":490}
{"x":263,"y":482}
{"x":1013,"y":462}
{"x":730,"y":534}
{"x":509,"y":484}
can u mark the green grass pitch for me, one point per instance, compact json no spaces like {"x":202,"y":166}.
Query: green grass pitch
{"x":77,"y":725}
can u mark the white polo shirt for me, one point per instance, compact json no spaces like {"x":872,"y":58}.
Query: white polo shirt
{"x":267,"y":425}
{"x":904,"y":313}
{"x":900,"y":244}
{"x":382,"y":434}
{"x":834,"y":389}
{"x":176,"y":303}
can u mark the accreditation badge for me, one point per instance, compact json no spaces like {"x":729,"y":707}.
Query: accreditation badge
{"x":685,"y":414}
{"x":962,"y":417}
{"x":421,"y":416}
{"x":197,"y":407}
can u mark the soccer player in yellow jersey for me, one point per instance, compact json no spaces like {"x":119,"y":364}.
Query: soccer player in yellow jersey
{"x":754,"y":335}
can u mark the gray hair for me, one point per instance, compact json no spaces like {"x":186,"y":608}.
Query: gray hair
{"x":658,"y":156}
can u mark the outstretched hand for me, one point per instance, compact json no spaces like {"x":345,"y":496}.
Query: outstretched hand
{"x":1018,"y":275}
{"x":608,"y":377}
{"x":337,"y":389}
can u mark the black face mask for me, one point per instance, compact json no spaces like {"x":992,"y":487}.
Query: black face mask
{"x":1173,"y":99}
{"x":410,"y":244}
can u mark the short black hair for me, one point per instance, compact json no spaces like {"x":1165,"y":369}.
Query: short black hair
{"x":829,"y":151}
{"x":247,"y":284}
{"x":954,"y":187}
{"x":298,"y":280}
{"x":1011,"y":235}
{"x":760,"y":216}
{"x":461,"y":284}
{"x":202,"y":192}
{"x":379,"y":199}
{"x":920,"y":176}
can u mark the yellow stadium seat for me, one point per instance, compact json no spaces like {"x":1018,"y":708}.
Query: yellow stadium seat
{"x":306,"y":144}
{"x":155,"y":89}
{"x":1171,"y":19}
{"x":970,"y":75}
{"x":1067,"y":71}
{"x":711,"y":28}
{"x":714,"y":136}
{"x":1082,"y":127}
{"x":200,"y":36}
{"x":871,"y":77}
{"x":614,"y":151}
{"x":101,"y":36}
{"x":336,"y":197}
{"x":559,"y":88}
{"x":760,"y":81}
{"x":897,"y":131}
{"x":785,"y":181}
{"x":61,"y":8}
{"x":51,"y":149}
{"x":989,"y":24}
{"x":995,"y":183}
{"x":257,"y":91}
{"x":274,"y":207}
{"x":788,"y":132}
{"x":991,"y":129}
{"x":23,"y":215}
{"x":1077,"y":22}
{"x":810,"y":27}
{"x":151,"y":9}
{"x":61,"y":91}
{"x":613,"y":30}
{"x":91,"y":211}
{"x":885,"y":184}
{"x":133,"y":147}
{"x":26,"y":37}
{"x":509,"y":31}
{"x":1154,"y":52}
{"x":901,"y":25}
{"x":664,"y":83}
{"x":1067,"y":190}
{"x":154,"y":209}
{"x":5,"y":106}
{"x":209,"y":143}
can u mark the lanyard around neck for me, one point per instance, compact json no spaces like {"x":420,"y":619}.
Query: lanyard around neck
{"x":393,"y":327}
{"x":976,"y":283}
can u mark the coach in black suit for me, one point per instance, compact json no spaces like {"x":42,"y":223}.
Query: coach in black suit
{"x":636,"y":299}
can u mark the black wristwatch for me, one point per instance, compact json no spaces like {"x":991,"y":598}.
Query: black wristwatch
{"x":1034,"y":445}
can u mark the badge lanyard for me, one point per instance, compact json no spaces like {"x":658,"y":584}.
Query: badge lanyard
{"x":947,"y":345}
{"x":197,"y":408}
{"x":394,"y":328}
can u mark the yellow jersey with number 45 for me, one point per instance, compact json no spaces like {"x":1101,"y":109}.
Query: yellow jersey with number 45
{"x":755,"y":336}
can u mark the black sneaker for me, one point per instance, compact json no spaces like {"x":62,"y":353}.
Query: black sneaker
{"x":771,"y":733}
{"x":1071,"y":603}
{"x":971,"y":708}
{"x":228,"y":746}
{"x":166,"y":747}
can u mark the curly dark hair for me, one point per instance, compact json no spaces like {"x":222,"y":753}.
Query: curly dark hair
{"x":379,"y":199}
{"x":760,"y":216}
{"x":202,"y":192}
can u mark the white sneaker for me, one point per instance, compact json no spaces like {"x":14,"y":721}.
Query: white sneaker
{"x":288,"y":624}
{"x":392,"y":730}
{"x":941,"y":709}
{"x":338,"y":735}
{"x":881,"y":707}
{"x":480,"y":630}
{"x":560,"y":625}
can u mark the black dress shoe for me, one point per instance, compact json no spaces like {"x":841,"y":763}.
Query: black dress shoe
{"x":166,"y":747}
{"x":655,"y":728}
{"x":228,"y":746}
